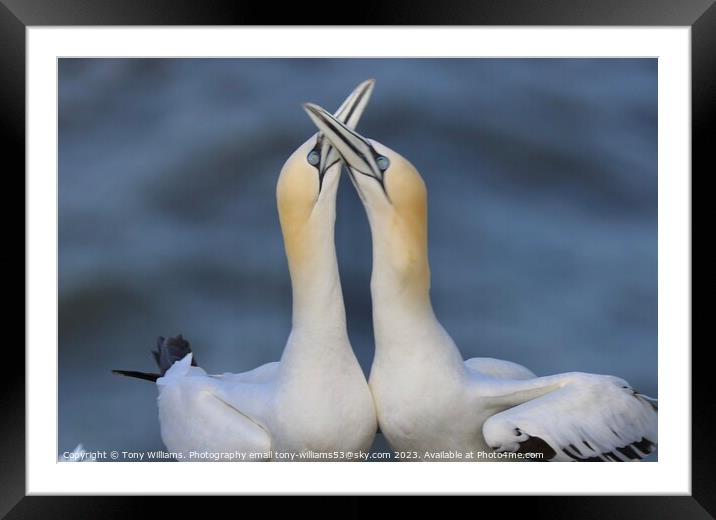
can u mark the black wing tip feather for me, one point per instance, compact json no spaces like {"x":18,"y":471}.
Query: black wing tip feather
{"x":634,"y":451}
{"x":169,"y":350}
{"x":147,"y":376}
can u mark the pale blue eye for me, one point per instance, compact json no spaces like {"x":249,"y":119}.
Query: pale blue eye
{"x":383,"y":163}
{"x":314,"y":158}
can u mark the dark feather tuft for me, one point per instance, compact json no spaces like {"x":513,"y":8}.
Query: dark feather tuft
{"x":168,"y":351}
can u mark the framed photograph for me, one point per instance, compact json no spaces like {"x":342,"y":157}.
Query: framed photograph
{"x":503,"y":273}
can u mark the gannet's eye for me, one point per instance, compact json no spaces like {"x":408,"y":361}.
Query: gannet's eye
{"x":383,"y":162}
{"x":314,"y":157}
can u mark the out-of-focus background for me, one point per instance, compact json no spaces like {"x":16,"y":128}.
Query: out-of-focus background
{"x":542,"y":179}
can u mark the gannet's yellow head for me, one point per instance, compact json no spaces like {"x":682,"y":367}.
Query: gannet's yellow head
{"x":306,"y":198}
{"x":393,"y":194}
{"x":307,"y":187}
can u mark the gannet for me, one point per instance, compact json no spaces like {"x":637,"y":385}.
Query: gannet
{"x":428,"y":399}
{"x":316,"y":399}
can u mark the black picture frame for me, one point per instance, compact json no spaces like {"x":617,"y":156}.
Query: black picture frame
{"x":17,"y":15}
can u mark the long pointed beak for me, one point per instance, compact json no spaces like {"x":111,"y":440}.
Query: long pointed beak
{"x":356,"y":151}
{"x":352,"y":108}
{"x":348,"y":113}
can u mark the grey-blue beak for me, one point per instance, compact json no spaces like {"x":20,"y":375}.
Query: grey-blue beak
{"x":349,"y":113}
{"x":355,"y":150}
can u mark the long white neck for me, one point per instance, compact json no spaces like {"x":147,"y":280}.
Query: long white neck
{"x":318,"y":331}
{"x":405,"y":326}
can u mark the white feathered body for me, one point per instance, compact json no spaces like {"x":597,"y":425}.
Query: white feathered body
{"x":270,"y":409}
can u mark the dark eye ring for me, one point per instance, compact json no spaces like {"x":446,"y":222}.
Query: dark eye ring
{"x":314,"y":157}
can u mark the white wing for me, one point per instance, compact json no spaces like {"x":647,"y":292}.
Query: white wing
{"x":499,"y":368}
{"x":590,"y":418}
{"x":196,"y":415}
{"x":260,"y":374}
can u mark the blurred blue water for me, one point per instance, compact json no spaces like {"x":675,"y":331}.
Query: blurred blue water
{"x":542,"y":177}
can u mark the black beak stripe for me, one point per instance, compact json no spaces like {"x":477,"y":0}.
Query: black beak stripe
{"x":355,"y":150}
{"x":349,"y":113}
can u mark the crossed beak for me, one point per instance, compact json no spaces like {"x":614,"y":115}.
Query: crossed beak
{"x":355,"y":150}
{"x":349,"y":113}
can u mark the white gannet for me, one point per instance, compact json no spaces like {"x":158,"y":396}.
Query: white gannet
{"x":316,"y":398}
{"x":428,"y":399}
